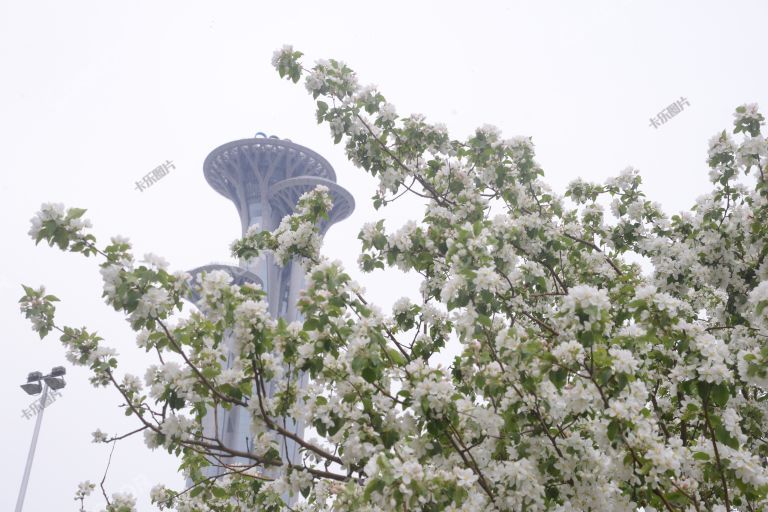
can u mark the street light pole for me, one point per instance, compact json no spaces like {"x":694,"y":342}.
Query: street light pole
{"x":54,"y":380}
{"x":31,"y":454}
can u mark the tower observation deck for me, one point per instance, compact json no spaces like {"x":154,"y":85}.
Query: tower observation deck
{"x":264,"y":178}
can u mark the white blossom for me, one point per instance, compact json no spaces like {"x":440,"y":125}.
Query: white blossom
{"x":99,"y":436}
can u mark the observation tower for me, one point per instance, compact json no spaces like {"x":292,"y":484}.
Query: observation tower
{"x":264,"y":178}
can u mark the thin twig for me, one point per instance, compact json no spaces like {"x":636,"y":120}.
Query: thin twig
{"x":104,"y":478}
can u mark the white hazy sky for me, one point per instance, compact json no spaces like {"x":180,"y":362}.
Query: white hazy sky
{"x":93,"y":95}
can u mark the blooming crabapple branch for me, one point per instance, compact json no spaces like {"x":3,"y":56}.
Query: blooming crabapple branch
{"x":591,"y":245}
{"x":545,"y":428}
{"x":551,"y":271}
{"x":231,"y":470}
{"x":475,"y":466}
{"x":129,"y":403}
{"x":720,"y":468}
{"x":416,"y":331}
{"x":441,"y":200}
{"x":361,"y":314}
{"x":463,"y":453}
{"x":219,"y":445}
{"x":520,"y":394}
{"x":284,"y":432}
{"x":274,"y":426}
{"x":550,"y":411}
{"x":540,"y":323}
{"x":691,"y":497}
{"x":596,"y":248}
{"x":129,"y":434}
{"x":386,"y":329}
{"x":227,"y":451}
{"x":657,"y":410}
{"x":408,"y":188}
{"x":195,"y":369}
{"x":626,"y":443}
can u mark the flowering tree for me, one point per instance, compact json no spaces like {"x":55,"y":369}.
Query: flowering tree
{"x":583,"y":383}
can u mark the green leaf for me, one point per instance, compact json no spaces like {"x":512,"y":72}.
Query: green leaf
{"x":701,"y":456}
{"x":559,"y":377}
{"x":678,"y":498}
{"x":614,"y":430}
{"x":703,"y":388}
{"x":720,"y":394}
{"x":723,"y":436}
{"x":369,"y":374}
{"x":396,"y":356}
{"x":389,"y":438}
{"x":358,"y":363}
{"x":374,"y":485}
{"x":76,"y":213}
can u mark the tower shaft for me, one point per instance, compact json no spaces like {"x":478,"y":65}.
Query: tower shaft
{"x":265,"y":177}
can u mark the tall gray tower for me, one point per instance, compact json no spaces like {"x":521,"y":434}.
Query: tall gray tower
{"x":264,"y":177}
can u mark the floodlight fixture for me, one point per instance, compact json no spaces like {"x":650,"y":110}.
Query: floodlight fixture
{"x":55,"y":383}
{"x":32,"y":388}
{"x":58,"y":371}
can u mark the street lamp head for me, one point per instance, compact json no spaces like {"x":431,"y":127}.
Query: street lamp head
{"x":55,"y":382}
{"x":58,"y":371}
{"x":32,"y":388}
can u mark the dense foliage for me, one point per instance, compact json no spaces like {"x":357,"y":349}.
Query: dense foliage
{"x":582,"y":383}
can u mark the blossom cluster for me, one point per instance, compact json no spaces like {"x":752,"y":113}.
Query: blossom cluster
{"x":578,"y":382}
